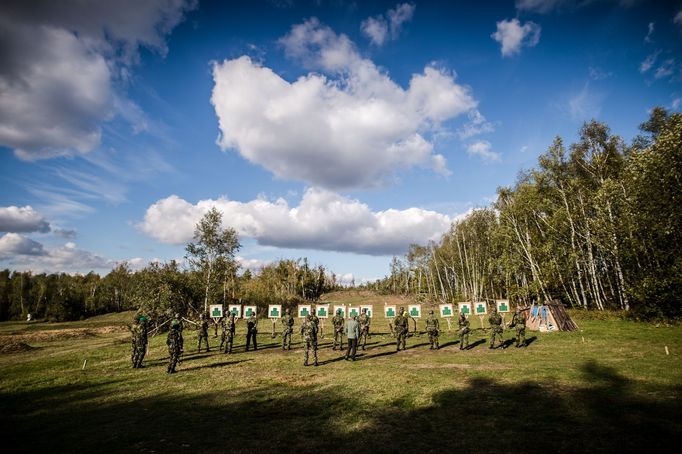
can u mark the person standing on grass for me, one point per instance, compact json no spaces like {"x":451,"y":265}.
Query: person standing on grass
{"x":338,"y":323}
{"x":518,"y":321}
{"x":287,"y":330}
{"x":496,"y":329}
{"x":229,"y":327}
{"x":139,"y":332}
{"x":251,"y":331}
{"x":352,"y":334}
{"x":309,"y":333}
{"x":364,"y":320}
{"x":174,"y":342}
{"x":400,"y":325}
{"x":464,"y":330}
{"x":432,"y":328}
{"x":203,"y":332}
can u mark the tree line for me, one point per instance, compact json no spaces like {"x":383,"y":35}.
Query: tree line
{"x":212,"y":276}
{"x":596,"y":224}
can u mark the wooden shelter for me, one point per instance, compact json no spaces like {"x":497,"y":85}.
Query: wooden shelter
{"x":550,"y":316}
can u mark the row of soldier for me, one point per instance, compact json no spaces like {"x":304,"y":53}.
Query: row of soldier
{"x":356,"y":330}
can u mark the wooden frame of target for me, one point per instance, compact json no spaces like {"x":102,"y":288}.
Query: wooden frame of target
{"x":303,"y":310}
{"x":446,"y":310}
{"x":480,"y":308}
{"x":353,"y":311}
{"x":343,"y":309}
{"x":390,"y":311}
{"x":414,"y":310}
{"x":235,"y":309}
{"x":322,"y":310}
{"x":464,"y":308}
{"x":274,"y":311}
{"x":370,"y":309}
{"x":248,"y":310}
{"x":503,"y":306}
{"x":216,"y":311}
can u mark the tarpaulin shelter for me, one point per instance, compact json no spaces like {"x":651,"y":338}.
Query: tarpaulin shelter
{"x":550,"y":316}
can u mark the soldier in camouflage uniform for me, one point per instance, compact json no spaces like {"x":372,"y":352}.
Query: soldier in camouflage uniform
{"x":496,"y":329}
{"x":338,"y":323}
{"x":229,"y":326}
{"x":518,"y":321}
{"x":251,"y":332}
{"x":203,"y":332}
{"x":401,"y":327}
{"x":174,"y":342}
{"x":464,"y":331}
{"x":433,"y":328}
{"x":139,"y":340}
{"x":309,"y":333}
{"x":364,"y":320}
{"x":287,"y":330}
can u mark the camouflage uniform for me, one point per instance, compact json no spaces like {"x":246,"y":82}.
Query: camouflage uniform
{"x":338,"y":323}
{"x":174,"y":342}
{"x":287,"y":330}
{"x":229,"y":327}
{"x":400,"y":325}
{"x":139,"y":340}
{"x":251,"y":332}
{"x":364,"y":320}
{"x":432,"y":328}
{"x":495,"y":321}
{"x":309,"y":332}
{"x":464,"y":331}
{"x":519,"y":322}
{"x":203,"y":333}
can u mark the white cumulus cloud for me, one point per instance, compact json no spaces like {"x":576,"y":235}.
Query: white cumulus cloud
{"x":513,"y":35}
{"x":381,"y":28}
{"x":352,"y":127}
{"x":22,"y":220}
{"x":56,"y":92}
{"x":323,"y":220}
{"x":483,"y":149}
{"x":12,"y":244}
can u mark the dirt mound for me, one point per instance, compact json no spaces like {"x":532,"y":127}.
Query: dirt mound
{"x":13,"y":347}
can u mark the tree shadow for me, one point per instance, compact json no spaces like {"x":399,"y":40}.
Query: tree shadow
{"x":603,"y":412}
{"x":180,"y":369}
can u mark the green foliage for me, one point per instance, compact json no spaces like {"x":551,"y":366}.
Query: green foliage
{"x":596,"y":226}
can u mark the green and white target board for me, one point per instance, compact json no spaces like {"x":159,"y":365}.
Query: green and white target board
{"x":503,"y":306}
{"x":464,"y":308}
{"x":390,"y":311}
{"x":274,"y":311}
{"x":446,"y":310}
{"x":322,"y":310}
{"x":304,"y":310}
{"x":353,"y":311}
{"x":342,"y":307}
{"x":369,"y":307}
{"x":414,"y":310}
{"x":481,"y":308}
{"x":235,"y":309}
{"x":216,"y":311}
{"x":249,"y":311}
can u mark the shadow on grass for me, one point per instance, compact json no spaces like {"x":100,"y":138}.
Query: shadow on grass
{"x":447,"y":344}
{"x":530,"y":340}
{"x":605,"y":413}
{"x":475,"y":344}
{"x":213,"y":366}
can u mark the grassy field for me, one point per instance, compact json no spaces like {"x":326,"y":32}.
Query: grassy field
{"x":608,"y":387}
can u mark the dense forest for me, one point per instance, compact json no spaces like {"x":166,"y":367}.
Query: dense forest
{"x":596,"y":224}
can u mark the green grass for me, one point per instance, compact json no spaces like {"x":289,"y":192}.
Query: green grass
{"x":616,"y":390}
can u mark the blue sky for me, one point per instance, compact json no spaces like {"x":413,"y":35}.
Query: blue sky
{"x":340,"y":131}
